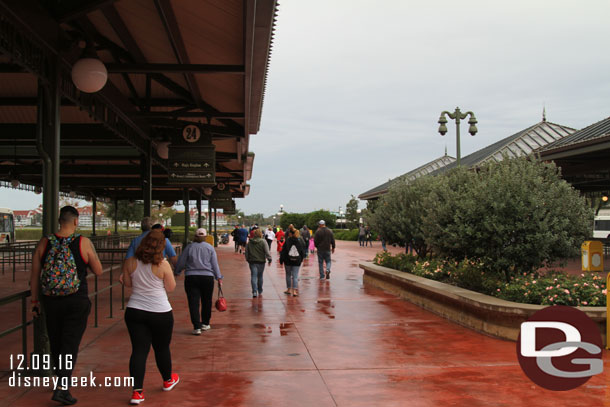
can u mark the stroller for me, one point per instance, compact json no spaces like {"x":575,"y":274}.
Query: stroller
{"x":224,"y":238}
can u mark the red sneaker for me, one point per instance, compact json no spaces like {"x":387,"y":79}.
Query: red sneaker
{"x":169,"y":384}
{"x":137,"y":397}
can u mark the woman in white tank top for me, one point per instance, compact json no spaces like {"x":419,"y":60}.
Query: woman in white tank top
{"x":148,"y":315}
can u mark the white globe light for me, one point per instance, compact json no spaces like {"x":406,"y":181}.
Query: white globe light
{"x":89,"y":75}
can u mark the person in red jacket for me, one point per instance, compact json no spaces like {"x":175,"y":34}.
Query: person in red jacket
{"x":279,"y":237}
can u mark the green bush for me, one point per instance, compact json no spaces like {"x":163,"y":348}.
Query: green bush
{"x":516,"y":216}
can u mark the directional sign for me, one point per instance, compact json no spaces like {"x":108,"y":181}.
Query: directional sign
{"x":195,"y":165}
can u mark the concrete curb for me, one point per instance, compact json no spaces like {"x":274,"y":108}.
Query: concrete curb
{"x":483,"y":313}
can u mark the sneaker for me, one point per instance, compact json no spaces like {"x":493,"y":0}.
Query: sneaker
{"x":328,"y":274}
{"x":137,"y":397}
{"x":205,"y":327}
{"x":64,"y":397}
{"x":171,"y":383}
{"x":254,"y":295}
{"x":196,"y":331}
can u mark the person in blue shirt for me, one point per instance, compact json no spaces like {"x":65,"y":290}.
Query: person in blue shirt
{"x":201,"y":269}
{"x":242,"y":237}
{"x":168,"y":252}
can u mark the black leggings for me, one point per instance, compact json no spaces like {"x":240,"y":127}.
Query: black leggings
{"x":66,"y":319}
{"x":146,"y":328}
{"x":199,"y":290}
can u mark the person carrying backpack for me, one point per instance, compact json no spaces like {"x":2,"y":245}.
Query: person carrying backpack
{"x":59,"y":281}
{"x":291,"y":257}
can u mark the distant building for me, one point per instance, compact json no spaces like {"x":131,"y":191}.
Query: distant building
{"x":30,"y":217}
{"x":85,"y":217}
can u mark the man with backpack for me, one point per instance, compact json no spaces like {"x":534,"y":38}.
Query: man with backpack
{"x":59,"y":281}
{"x":325,"y":243}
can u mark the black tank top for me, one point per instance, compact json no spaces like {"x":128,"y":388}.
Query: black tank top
{"x":81,"y":266}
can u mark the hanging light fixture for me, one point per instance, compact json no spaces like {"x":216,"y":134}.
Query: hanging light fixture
{"x":15,"y":182}
{"x":89,"y":73}
{"x":207,"y":191}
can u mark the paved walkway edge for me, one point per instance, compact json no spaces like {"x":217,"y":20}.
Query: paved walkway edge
{"x":480,"y":312}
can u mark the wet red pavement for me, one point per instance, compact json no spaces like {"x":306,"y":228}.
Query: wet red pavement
{"x":338,"y":343}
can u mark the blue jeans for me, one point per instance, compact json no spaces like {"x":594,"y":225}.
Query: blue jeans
{"x":322,"y":257}
{"x":256,"y":277}
{"x":292,"y":276}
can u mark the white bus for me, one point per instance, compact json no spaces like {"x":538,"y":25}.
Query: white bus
{"x":601,"y":227}
{"x":7,"y":226}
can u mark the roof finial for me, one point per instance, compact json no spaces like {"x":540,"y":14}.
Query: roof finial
{"x":445,"y":150}
{"x":543,"y":113}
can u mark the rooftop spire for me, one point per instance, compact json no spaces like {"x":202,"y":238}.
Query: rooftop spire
{"x":445,"y":150}
{"x":543,"y":113}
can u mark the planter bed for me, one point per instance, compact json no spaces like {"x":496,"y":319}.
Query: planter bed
{"x":483,"y":313}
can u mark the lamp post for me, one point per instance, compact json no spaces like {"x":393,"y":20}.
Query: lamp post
{"x":340,"y":214}
{"x":274,"y":221}
{"x":457,"y":115}
{"x":359,"y":211}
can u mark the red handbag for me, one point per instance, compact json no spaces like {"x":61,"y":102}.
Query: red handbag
{"x":221,"y":302}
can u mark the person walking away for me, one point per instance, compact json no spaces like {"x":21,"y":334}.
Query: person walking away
{"x":306,"y":236}
{"x":242,"y":238}
{"x":325,"y":243}
{"x":257,"y":251}
{"x":201,"y":265}
{"x":280,"y":238}
{"x":148,"y":315}
{"x":269,"y":236}
{"x":291,"y":257}
{"x":361,"y":235}
{"x":59,"y":280}
{"x":234,"y":233}
{"x":312,"y":246}
{"x":369,"y":237}
{"x":146,"y":225}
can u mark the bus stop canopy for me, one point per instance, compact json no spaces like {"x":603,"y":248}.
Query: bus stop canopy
{"x":170,"y":63}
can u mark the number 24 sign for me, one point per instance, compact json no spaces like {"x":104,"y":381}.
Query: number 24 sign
{"x":191,"y":133}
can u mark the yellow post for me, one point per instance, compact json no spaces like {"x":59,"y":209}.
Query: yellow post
{"x":607,"y":311}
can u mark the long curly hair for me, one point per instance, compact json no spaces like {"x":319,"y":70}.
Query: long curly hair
{"x":151,"y":248}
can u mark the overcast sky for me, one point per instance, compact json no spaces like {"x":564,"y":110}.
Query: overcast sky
{"x":355,"y":88}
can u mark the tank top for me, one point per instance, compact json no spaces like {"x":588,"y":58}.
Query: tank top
{"x":148,"y":291}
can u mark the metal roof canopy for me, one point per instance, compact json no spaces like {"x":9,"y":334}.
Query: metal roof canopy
{"x":584,"y":157}
{"x":170,"y":63}
{"x":525,"y":142}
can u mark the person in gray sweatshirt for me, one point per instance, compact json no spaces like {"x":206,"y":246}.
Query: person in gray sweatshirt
{"x":257,"y":251}
{"x":201,"y":269}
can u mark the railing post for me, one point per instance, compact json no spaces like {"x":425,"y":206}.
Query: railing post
{"x":111,"y":281}
{"x":95,"y":301}
{"x":24,"y":329}
{"x":14,"y":263}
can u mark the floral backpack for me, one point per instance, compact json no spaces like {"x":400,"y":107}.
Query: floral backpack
{"x":59,"y":275}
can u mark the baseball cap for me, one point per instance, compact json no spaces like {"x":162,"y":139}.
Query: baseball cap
{"x":322,"y":222}
{"x":201,"y":232}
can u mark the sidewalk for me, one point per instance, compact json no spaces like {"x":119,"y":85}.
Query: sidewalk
{"x":338,"y":343}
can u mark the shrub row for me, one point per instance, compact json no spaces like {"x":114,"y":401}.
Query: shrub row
{"x":550,"y":288}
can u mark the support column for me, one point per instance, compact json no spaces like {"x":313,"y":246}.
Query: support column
{"x":93,"y":214}
{"x":215,"y":234}
{"x":187,"y":218}
{"x":209,"y":217}
{"x":198,"y":211}
{"x":48,"y":144}
{"x":146,"y":163}
{"x":116,"y":216}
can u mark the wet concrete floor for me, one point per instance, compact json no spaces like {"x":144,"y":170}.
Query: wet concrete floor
{"x":338,"y":343}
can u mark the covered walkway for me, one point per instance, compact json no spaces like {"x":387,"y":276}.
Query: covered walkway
{"x":338,"y":343}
